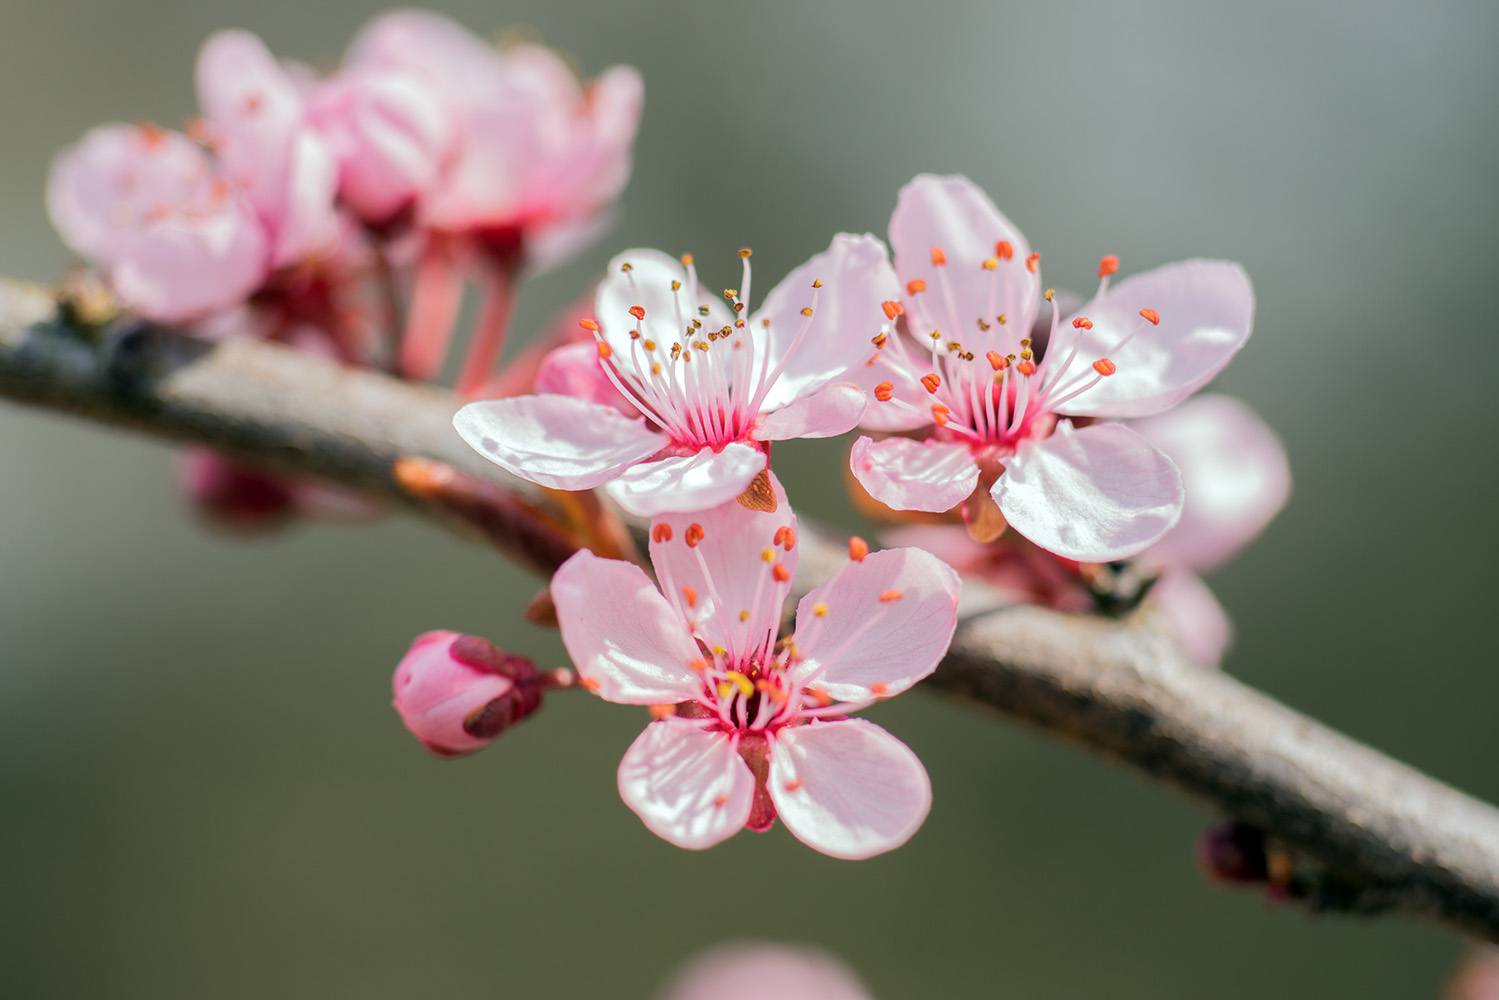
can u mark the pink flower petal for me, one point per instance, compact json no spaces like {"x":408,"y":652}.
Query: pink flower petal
{"x":904,"y":474}
{"x":433,"y":46}
{"x":1236,"y":476}
{"x":724,"y":572}
{"x":625,"y":641}
{"x":848,"y":789}
{"x":1192,"y":616}
{"x":255,"y":110}
{"x":100,"y":190}
{"x":574,"y":370}
{"x":390,"y":133}
{"x":856,"y":278}
{"x":556,"y":441}
{"x":954,"y":215}
{"x":687,"y":483}
{"x":1206,"y":310}
{"x":186,"y":266}
{"x":765,"y":972}
{"x":647,"y":284}
{"x":828,"y":412}
{"x":1095,"y":495}
{"x":687,"y":784}
{"x":306,"y":221}
{"x":878,"y":626}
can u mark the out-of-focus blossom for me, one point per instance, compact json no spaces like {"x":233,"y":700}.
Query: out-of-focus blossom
{"x":749,"y":729}
{"x":1237,"y":479}
{"x":185,"y":230}
{"x":745,"y":971}
{"x":997,"y":416}
{"x":456,"y":693}
{"x":174,"y":238}
{"x":712,"y":385}
{"x":243,"y":498}
{"x":1477,"y":977}
{"x":532,"y":156}
{"x":1236,"y":476}
{"x":504,"y":159}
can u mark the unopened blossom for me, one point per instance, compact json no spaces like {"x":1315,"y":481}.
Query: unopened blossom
{"x":745,"y":971}
{"x":192,"y":228}
{"x":528,"y":161}
{"x":456,"y":693}
{"x":750,"y":728}
{"x":710,"y":384}
{"x":991,"y":417}
{"x":1237,"y":479}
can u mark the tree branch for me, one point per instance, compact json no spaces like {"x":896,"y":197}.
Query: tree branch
{"x":1371,"y":834}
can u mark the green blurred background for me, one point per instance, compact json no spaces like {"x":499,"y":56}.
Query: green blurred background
{"x":205,"y":792}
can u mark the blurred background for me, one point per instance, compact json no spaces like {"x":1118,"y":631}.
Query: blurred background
{"x":206,"y":793}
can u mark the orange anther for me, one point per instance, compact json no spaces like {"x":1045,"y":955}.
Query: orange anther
{"x":878,"y":689}
{"x":1004,"y":250}
{"x":1026,"y":368}
{"x":1108,"y":265}
{"x":1151,"y":316}
{"x":892,"y":309}
{"x":793,"y":785}
{"x":780,"y":536}
{"x":638,"y":312}
{"x":858,"y":548}
{"x":720,"y":800}
{"x":781,"y":573}
{"x":884,"y":392}
{"x":589,"y":325}
{"x":693,"y":535}
{"x":1082,"y":323}
{"x":880,"y":339}
{"x":663,"y":711}
{"x":940,"y":414}
{"x":1105,"y":367}
{"x":661,"y":532}
{"x":939,"y":257}
{"x":932,"y":381}
{"x":604,"y":349}
{"x":588,"y":683}
{"x":915,"y":286}
{"x":689,"y":595}
{"x":997,"y":361}
{"x":890,"y":596}
{"x":790,"y":541}
{"x":1032,"y":261}
{"x":687,"y":260}
{"x":698,"y":665}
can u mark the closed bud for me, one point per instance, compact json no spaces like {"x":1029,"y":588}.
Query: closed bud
{"x":457,"y":692}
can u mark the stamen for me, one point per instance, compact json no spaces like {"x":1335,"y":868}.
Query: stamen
{"x":638,"y":312}
{"x":884,"y":392}
{"x":915,"y":286}
{"x":932,"y":381}
{"x":939,"y":257}
{"x":1032,"y":261}
{"x":689,"y":594}
{"x":661,"y":532}
{"x":781,"y":573}
{"x":1082,"y":323}
{"x":1004,"y":250}
{"x":1151,"y":316}
{"x":890,"y":595}
{"x":1108,"y":265}
{"x":1105,"y":367}
{"x":693,"y":535}
{"x":858,"y":548}
{"x":892,"y":309}
{"x":589,"y":325}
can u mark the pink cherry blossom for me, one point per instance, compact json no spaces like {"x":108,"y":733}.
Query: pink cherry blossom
{"x":997,"y":414}
{"x":527,"y":162}
{"x":456,"y":693}
{"x":1237,"y":479}
{"x":172,"y":236}
{"x":750,"y":729}
{"x":764,"y":971}
{"x":255,"y":117}
{"x":710,"y":384}
{"x":535,"y":153}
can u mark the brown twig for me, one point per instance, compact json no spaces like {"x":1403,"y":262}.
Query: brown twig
{"x":1383,"y":836}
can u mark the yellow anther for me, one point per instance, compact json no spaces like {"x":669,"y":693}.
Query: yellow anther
{"x":744,"y":616}
{"x":767,"y":555}
{"x":820,"y":609}
{"x":807,"y":311}
{"x":1050,"y":294}
{"x":745,"y":253}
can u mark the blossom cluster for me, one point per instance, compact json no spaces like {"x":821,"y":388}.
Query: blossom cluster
{"x":316,"y":210}
{"x":1051,"y":451}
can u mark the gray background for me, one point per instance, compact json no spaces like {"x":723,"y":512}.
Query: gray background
{"x":205,"y":791}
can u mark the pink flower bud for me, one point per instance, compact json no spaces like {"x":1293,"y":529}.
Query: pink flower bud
{"x":235,"y":496}
{"x":457,"y":692}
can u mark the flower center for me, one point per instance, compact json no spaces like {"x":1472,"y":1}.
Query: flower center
{"x":998,"y":387}
{"x":702,"y":381}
